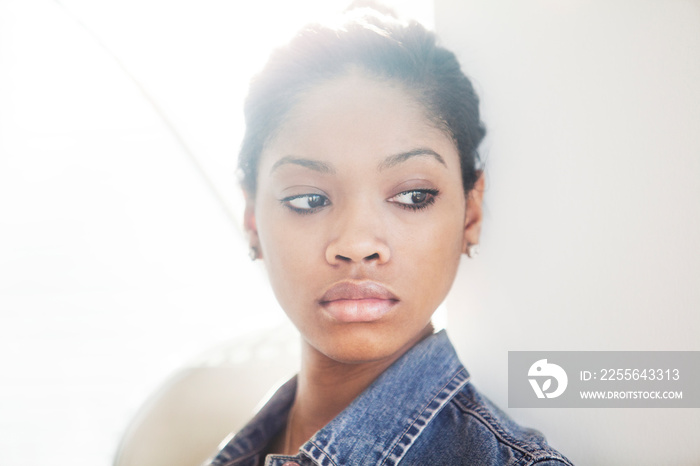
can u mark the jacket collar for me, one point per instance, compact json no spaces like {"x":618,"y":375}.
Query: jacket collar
{"x":381,"y":424}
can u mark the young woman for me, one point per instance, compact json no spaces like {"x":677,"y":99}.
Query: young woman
{"x":363,"y":191}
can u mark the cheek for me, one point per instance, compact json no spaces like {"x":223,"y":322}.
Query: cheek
{"x":438,"y":235}
{"x":289,"y":237}
{"x":430,"y":252}
{"x":290,"y":255}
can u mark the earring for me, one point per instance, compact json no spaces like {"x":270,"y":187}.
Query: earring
{"x":253,"y":253}
{"x":472,"y":251}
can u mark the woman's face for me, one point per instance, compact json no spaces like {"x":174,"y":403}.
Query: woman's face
{"x":361,"y":218}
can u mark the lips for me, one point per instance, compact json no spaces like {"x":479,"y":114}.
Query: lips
{"x":365,"y":301}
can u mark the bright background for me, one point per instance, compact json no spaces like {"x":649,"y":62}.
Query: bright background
{"x":592,"y":235}
{"x":122,"y":259}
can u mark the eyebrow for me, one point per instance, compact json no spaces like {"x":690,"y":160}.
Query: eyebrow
{"x":307,"y":163}
{"x":389,"y":162}
{"x":403,"y":156}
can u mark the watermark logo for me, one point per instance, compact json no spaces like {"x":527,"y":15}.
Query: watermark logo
{"x":603,"y":379}
{"x":542,"y":370}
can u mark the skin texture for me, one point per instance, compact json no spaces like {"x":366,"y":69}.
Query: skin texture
{"x":333,"y":206}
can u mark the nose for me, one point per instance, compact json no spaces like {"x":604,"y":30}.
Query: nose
{"x":359,"y":237}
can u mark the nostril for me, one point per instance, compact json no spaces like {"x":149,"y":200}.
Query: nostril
{"x":343,"y":258}
{"x":372,"y":257}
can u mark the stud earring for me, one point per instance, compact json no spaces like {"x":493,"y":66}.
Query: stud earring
{"x":253,"y":253}
{"x":472,"y":251}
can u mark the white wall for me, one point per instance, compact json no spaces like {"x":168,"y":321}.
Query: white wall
{"x":593,"y":202}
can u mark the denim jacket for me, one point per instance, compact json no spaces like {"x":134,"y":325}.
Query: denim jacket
{"x":421,"y":411}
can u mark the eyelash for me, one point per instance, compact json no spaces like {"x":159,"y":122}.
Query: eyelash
{"x":287,"y":203}
{"x":430,"y":200}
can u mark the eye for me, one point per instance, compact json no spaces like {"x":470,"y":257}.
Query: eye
{"x":415,"y":199}
{"x":306,"y":203}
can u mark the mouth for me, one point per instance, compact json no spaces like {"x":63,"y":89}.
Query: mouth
{"x":365,"y":301}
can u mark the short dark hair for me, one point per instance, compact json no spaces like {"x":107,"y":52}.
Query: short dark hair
{"x":382,"y":47}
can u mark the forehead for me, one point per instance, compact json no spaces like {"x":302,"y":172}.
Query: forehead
{"x":356,"y":118}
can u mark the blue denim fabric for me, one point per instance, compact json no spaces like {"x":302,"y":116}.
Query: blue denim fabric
{"x":421,"y":411}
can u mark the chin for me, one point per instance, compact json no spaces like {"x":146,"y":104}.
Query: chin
{"x":362,"y":343}
{"x":357,"y":355}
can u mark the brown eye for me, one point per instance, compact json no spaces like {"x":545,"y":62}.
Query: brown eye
{"x":306,"y":203}
{"x":416,"y":199}
{"x":315,"y":201}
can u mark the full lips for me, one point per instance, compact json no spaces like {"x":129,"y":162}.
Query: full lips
{"x":366,"y":301}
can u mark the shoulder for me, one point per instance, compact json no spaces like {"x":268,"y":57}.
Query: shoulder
{"x":472,"y":430}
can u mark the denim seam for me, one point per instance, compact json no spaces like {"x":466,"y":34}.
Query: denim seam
{"x":501,"y":436}
{"x":321,"y":451}
{"x":450,"y":392}
{"x":498,"y":434}
{"x":283,"y":458}
{"x":549,"y":458}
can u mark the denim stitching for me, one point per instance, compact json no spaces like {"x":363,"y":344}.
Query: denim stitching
{"x":503,"y":436}
{"x":449,"y":393}
{"x":324,"y":455}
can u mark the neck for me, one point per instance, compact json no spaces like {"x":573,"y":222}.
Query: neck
{"x":325,"y":387}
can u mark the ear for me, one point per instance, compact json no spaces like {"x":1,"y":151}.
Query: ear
{"x":250,"y":225}
{"x":474,"y":214}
